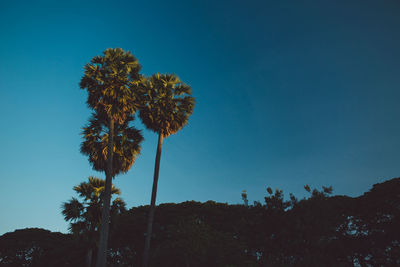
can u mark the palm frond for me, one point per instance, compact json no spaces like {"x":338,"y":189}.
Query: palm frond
{"x":72,"y":210}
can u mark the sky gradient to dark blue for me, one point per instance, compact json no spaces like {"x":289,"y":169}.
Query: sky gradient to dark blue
{"x":287,"y":93}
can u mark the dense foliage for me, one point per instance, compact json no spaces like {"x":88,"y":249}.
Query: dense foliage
{"x":167,"y":103}
{"x":126,"y":147}
{"x":37,"y":247}
{"x":322,"y":230}
{"x":109,"y":80}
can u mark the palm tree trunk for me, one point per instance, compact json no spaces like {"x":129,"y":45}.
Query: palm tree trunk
{"x":105,"y":214}
{"x":89,"y":255}
{"x":153,"y":203}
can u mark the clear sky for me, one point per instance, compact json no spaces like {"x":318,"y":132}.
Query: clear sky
{"x":287,"y":93}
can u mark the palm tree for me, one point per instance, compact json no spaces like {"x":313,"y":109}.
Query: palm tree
{"x":85,"y":215}
{"x":110,"y":81}
{"x":167,"y":105}
{"x":126,"y":147}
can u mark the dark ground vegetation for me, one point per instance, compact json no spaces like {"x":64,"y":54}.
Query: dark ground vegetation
{"x":322,"y":230}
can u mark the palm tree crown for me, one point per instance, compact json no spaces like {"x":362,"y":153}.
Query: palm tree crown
{"x":167,"y":104}
{"x":126,"y":147}
{"x":110,"y":81}
{"x":85,"y":216}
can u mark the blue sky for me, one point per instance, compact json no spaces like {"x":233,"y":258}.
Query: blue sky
{"x":287,"y":93}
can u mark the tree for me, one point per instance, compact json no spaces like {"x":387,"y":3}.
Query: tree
{"x":36,"y":247}
{"x":375,"y":224}
{"x":111,"y":81}
{"x":85,"y":216}
{"x":166,"y":109}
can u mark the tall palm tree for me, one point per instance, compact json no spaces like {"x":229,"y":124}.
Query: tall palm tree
{"x":126,"y":148}
{"x":167,"y":105}
{"x":110,"y":81}
{"x":85,"y":215}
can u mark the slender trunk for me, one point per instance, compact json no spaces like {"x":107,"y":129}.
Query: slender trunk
{"x":105,"y":214}
{"x":89,"y":255}
{"x":187,"y":261}
{"x":146,"y":252}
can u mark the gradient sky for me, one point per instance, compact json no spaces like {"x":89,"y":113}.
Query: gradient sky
{"x":287,"y":93}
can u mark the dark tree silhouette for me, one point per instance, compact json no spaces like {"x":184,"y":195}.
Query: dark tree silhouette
{"x":36,"y":247}
{"x":320,"y":230}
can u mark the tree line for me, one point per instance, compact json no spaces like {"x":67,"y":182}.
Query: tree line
{"x":320,"y":230}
